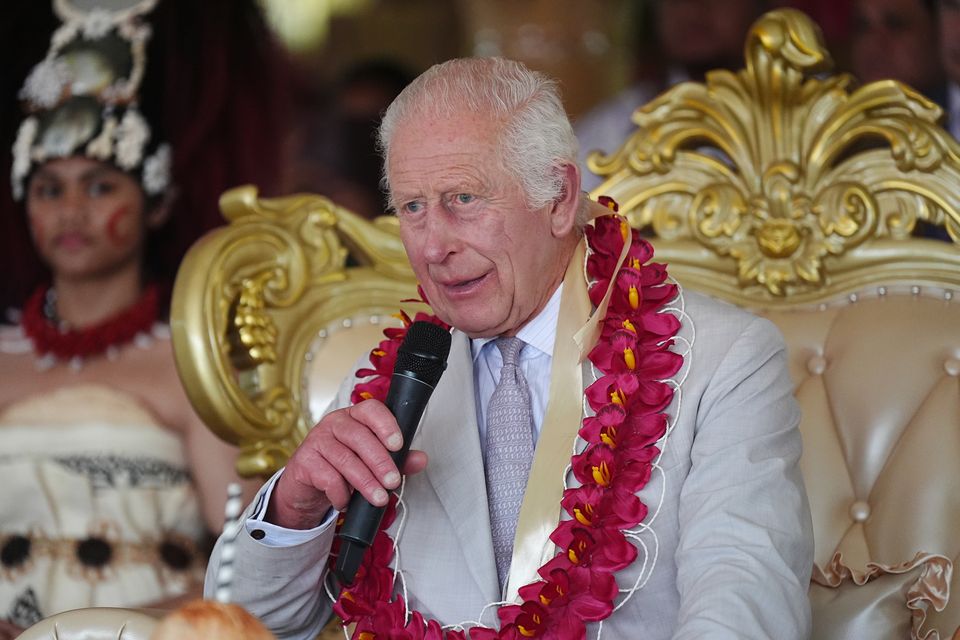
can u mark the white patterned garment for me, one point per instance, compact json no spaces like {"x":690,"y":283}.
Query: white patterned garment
{"x":97,"y":508}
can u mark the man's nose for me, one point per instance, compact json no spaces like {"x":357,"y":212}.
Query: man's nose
{"x":439,"y":235}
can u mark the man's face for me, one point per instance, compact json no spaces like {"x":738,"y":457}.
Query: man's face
{"x":950,"y":38}
{"x":895,"y":39}
{"x":487,"y":262}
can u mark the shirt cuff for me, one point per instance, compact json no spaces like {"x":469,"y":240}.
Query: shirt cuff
{"x":271,"y":535}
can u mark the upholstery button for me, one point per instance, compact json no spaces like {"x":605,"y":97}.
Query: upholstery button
{"x":952,"y":367}
{"x":817,"y":365}
{"x":859,"y":511}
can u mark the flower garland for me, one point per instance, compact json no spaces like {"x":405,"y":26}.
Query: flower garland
{"x":48,"y":338}
{"x":578,"y":585}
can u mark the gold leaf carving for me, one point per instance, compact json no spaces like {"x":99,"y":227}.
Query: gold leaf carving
{"x":782,"y":171}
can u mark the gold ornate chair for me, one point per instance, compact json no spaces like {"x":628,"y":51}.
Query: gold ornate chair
{"x":796,"y":196}
{"x":791,"y":194}
{"x":271,"y":312}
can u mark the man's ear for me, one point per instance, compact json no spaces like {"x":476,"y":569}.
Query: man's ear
{"x":563,"y":210}
{"x":159,"y":209}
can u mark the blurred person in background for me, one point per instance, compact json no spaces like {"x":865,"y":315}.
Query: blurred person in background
{"x":216,"y":87}
{"x":112,"y":484}
{"x":691,"y":38}
{"x":949,"y":19}
{"x":898,"y":40}
{"x":336,"y":151}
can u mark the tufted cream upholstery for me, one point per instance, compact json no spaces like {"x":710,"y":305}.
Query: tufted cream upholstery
{"x":879,"y":383}
{"x":878,"y":380}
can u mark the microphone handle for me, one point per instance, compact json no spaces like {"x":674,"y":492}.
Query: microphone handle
{"x":406,"y":399}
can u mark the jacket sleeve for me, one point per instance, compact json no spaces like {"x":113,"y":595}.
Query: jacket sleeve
{"x":283,"y":586}
{"x":745,"y":551}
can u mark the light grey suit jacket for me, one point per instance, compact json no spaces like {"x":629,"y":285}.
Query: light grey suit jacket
{"x":729,"y":549}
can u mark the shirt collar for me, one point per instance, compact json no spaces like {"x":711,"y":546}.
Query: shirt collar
{"x":540,"y":333}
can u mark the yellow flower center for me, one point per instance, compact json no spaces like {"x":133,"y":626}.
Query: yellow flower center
{"x":629,"y":327}
{"x":618,"y":397}
{"x":527,"y":633}
{"x":573,"y":553}
{"x":634,"y":297}
{"x":601,"y":474}
{"x":609,"y":437}
{"x":624,"y":230}
{"x":366,"y":395}
{"x":584,"y":516}
{"x":629,"y":359}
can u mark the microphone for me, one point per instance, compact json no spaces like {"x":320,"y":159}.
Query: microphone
{"x":420,"y":363}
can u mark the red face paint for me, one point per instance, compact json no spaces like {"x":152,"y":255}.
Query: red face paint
{"x":115,"y":233}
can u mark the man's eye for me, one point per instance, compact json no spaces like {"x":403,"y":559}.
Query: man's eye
{"x":412,"y":207}
{"x":464,"y":198}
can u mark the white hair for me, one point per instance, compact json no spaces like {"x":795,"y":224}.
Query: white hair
{"x":536,"y":137}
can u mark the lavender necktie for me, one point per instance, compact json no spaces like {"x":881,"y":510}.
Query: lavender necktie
{"x":509,"y":452}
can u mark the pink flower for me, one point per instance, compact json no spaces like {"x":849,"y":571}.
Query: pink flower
{"x":606,"y":236}
{"x":420,"y":629}
{"x":528,"y":620}
{"x":386,"y":621}
{"x":623,"y":353}
{"x":626,"y":470}
{"x":630,"y":391}
{"x":603,"y":550}
{"x":594,"y":506}
{"x":653,"y":330}
{"x":482,"y":633}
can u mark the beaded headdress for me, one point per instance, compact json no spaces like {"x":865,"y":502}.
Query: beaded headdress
{"x":82,"y":98}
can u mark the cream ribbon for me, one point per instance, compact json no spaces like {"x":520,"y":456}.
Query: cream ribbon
{"x":577,"y":331}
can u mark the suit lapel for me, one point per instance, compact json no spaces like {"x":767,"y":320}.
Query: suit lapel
{"x":455,"y":470}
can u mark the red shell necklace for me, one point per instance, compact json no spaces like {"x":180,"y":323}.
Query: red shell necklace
{"x":40,"y":324}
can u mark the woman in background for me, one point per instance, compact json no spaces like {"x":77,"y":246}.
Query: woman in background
{"x":110,"y":481}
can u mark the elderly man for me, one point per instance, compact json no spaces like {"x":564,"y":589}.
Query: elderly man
{"x":682,"y":512}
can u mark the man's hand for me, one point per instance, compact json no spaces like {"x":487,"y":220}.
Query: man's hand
{"x":348,"y":449}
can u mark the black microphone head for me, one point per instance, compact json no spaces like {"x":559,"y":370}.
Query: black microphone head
{"x":424,"y":352}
